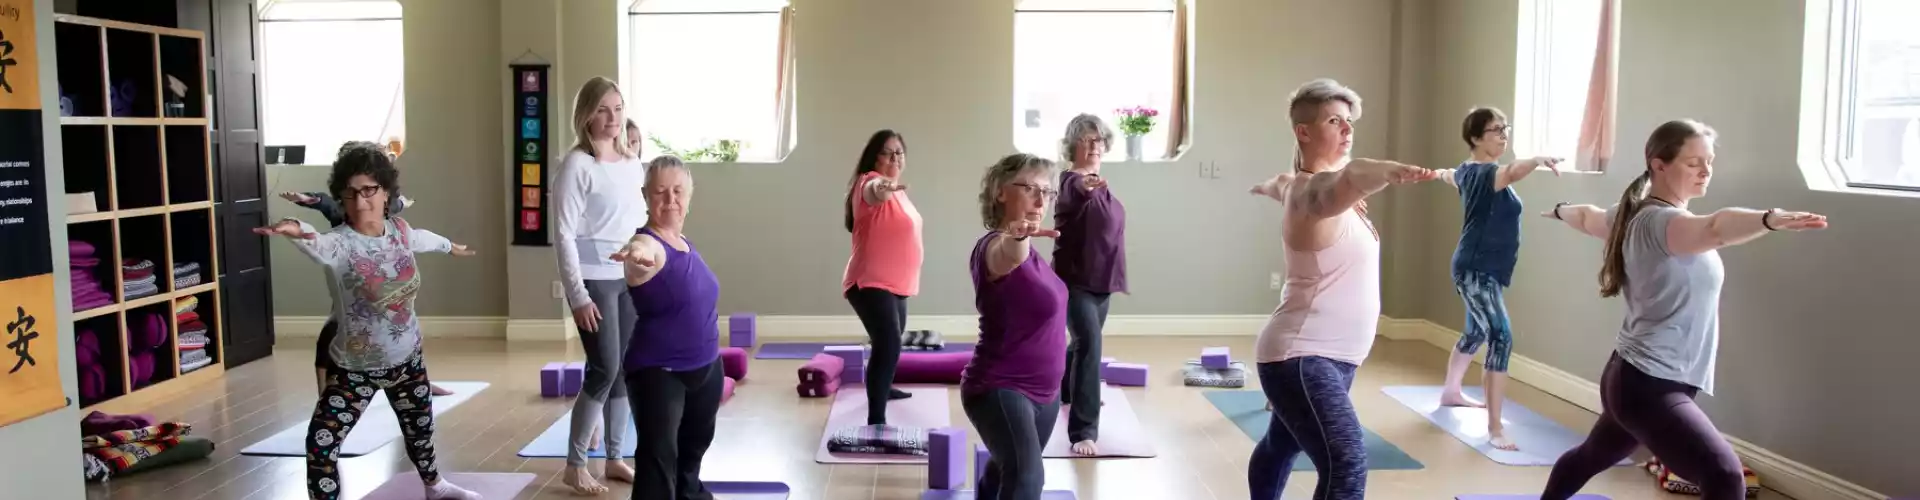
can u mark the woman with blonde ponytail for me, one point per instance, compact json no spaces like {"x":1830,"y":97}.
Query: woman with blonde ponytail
{"x":1665,"y":261}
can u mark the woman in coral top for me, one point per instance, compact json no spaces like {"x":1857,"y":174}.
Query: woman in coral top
{"x":885,"y":267}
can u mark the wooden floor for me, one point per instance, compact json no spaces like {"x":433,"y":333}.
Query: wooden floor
{"x":767,"y":433}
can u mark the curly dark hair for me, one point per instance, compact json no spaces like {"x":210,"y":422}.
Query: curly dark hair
{"x":362,"y":158}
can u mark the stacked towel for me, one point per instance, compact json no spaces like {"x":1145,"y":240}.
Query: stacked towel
{"x":140,"y":280}
{"x":194,"y":335}
{"x":186,"y":275}
{"x":820,"y":377}
{"x":85,"y":266}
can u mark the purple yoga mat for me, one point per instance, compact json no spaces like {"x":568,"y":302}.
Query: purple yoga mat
{"x":748,"y":490}
{"x":806,"y":350}
{"x":407,"y":486}
{"x":968,"y":495}
{"x":1524,"y":497}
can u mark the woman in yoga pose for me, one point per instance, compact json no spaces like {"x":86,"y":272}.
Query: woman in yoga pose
{"x":673,"y":365}
{"x":885,"y":267}
{"x":1665,"y":261}
{"x":598,"y":211}
{"x":1324,"y":326}
{"x":1091,"y":257}
{"x":1483,"y":260}
{"x":371,"y":270}
{"x":1010,"y":388}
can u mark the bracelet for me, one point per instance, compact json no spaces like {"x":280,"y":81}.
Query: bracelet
{"x":1022,"y":238}
{"x":1556,"y":210}
{"x":1763,"y":219}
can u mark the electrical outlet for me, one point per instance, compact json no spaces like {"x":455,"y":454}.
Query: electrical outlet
{"x":1275,"y":281}
{"x":557,"y":292}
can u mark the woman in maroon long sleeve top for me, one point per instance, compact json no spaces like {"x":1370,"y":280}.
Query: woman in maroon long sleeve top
{"x":1091,"y":257}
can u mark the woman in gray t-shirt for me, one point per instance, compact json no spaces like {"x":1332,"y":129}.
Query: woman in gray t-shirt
{"x":1665,"y":261}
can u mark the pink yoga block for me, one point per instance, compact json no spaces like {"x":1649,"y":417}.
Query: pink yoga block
{"x":931,"y":367}
{"x":733,"y":362}
{"x":571,"y":378}
{"x":740,"y":329}
{"x":550,"y":379}
{"x":1127,"y":374}
{"x":980,"y":457}
{"x":1215,"y":357}
{"x":946,"y":458}
{"x":726,"y":389}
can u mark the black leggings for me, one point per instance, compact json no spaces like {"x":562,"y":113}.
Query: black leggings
{"x":1638,"y":409}
{"x":673,"y":416}
{"x":1015,"y":430}
{"x":1080,"y":389}
{"x":885,"y":317}
{"x":339,"y":410}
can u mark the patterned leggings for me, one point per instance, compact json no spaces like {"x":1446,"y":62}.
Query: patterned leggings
{"x":1486,"y":319}
{"x":345,"y":397}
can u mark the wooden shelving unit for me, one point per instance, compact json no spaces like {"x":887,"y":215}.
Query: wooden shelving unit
{"x":143,"y":153}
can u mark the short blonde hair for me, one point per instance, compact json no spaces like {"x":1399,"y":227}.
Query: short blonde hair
{"x":1080,"y":126}
{"x":1006,"y":170}
{"x":1305,"y":101}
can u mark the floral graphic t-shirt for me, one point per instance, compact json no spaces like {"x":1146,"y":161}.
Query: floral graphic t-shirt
{"x":374,"y":281}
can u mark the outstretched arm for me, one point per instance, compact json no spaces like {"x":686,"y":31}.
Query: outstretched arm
{"x":1694,"y":234}
{"x":878,"y":188}
{"x":1275,"y":188}
{"x":319,"y":202}
{"x":1011,"y":248}
{"x":1514,"y":172}
{"x":425,"y":241}
{"x":322,"y":248}
{"x":642,"y":259}
{"x":1328,"y":195}
{"x":1587,"y":219}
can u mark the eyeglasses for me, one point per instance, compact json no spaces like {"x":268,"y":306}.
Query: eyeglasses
{"x":363,"y":192}
{"x":1043,"y":192}
{"x":1503,"y":130}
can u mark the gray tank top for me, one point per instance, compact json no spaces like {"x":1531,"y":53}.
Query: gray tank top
{"x":1672,"y":328}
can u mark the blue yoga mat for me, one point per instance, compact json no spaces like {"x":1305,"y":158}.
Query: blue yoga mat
{"x":552,"y":443}
{"x":1248,"y":411}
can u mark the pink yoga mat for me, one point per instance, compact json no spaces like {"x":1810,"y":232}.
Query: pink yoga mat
{"x":407,"y":486}
{"x":928,"y":408}
{"x":1120,"y":433}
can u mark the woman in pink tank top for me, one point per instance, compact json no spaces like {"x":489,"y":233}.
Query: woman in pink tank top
{"x":1324,"y":327}
{"x":885,"y":267}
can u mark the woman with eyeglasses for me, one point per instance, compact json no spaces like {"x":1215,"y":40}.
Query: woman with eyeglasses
{"x":885,"y":266}
{"x":372,"y":271}
{"x":1483,"y":260}
{"x":1091,"y":257}
{"x":1010,"y":389}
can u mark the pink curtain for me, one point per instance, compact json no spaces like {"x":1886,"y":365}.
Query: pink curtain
{"x":1177,"y":112}
{"x":783,"y":87}
{"x":1595,"y":148}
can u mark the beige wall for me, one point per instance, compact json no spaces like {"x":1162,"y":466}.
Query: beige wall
{"x":1808,"y":363}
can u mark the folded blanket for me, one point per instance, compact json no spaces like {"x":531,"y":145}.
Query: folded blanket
{"x":879,"y":440}
{"x":145,"y":275}
{"x":185,"y":304}
{"x":133,"y":265}
{"x":818,"y":389}
{"x":77,"y":248}
{"x":91,"y":303}
{"x":1674,"y":484}
{"x":822,"y":368}
{"x":132,"y":280}
{"x":188,"y":281}
{"x":78,"y":262}
{"x":194,"y":340}
{"x":100,"y":423}
{"x":180,"y":268}
{"x":120,"y":450}
{"x":188,"y":367}
{"x":186,"y":317}
{"x":922,"y":340}
{"x":194,"y":356}
{"x":134,"y":291}
{"x":1234,"y":375}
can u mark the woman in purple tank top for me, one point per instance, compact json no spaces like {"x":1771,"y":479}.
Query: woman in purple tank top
{"x":672,"y":367}
{"x":1010,"y":390}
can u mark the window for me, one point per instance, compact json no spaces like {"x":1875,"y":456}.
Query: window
{"x":1098,"y":56}
{"x":712,"y":81}
{"x":1555,"y":111}
{"x":330,"y":72}
{"x":1861,"y":102}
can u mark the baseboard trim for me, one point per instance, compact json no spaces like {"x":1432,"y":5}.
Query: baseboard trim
{"x":1777,"y":473}
{"x":433,"y":327}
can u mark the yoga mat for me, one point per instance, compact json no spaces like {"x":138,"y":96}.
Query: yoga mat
{"x":927,"y":409}
{"x":376,"y":427}
{"x":748,"y":490}
{"x":968,"y":495}
{"x":1120,"y":433}
{"x":1248,"y":411}
{"x":1524,"y":497}
{"x":806,"y":350}
{"x":407,"y":486}
{"x":553,"y":442}
{"x":1541,"y":440}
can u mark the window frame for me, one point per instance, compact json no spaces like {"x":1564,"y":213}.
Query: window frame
{"x":783,"y":149}
{"x":1829,"y":100}
{"x":1182,"y":100}
{"x":1531,"y":66}
{"x":320,"y":156}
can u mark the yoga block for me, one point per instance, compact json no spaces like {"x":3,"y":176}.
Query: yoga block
{"x":726,"y":389}
{"x":1104,"y":362}
{"x":1215,"y":357}
{"x":1127,"y":374}
{"x":931,"y":367}
{"x":946,"y":458}
{"x":740,"y":328}
{"x":980,"y":457}
{"x":854,"y":375}
{"x":852,"y":357}
{"x":550,"y":379}
{"x":571,"y":378}
{"x":733,"y":362}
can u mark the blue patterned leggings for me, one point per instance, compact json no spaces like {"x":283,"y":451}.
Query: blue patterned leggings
{"x":1486,"y":319}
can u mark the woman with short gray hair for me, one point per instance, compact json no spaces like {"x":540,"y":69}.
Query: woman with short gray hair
{"x":1091,"y":257}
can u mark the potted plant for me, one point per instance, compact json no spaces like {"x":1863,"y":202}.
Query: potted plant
{"x":1135,"y":122}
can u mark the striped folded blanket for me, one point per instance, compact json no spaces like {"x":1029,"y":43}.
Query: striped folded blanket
{"x":1196,"y":375}
{"x":189,"y":358}
{"x":186,"y":268}
{"x":879,"y":440}
{"x":922,"y":340}
{"x":186,"y":281}
{"x":193,"y":340}
{"x":121,"y":449}
{"x":1674,"y":484}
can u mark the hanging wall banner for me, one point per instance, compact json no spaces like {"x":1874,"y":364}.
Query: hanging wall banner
{"x":29,"y":347}
{"x":529,"y":155}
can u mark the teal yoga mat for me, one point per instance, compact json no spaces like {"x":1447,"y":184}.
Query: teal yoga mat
{"x":1248,"y":411}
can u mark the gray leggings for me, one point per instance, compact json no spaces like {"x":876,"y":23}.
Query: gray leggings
{"x":1015,"y":431}
{"x":603,"y":394}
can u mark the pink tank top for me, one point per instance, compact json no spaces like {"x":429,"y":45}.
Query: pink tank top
{"x":1330,"y":306}
{"x":886,"y":243}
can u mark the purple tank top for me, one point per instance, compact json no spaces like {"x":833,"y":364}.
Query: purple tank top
{"x":1023,"y":329}
{"x":679,"y":325}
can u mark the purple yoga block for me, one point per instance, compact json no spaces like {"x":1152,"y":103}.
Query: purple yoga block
{"x":571,"y":377}
{"x":980,"y":456}
{"x":852,"y":356}
{"x":946,"y":458}
{"x":1104,"y":362}
{"x":1215,"y":357}
{"x":1128,"y":374}
{"x":550,"y":379}
{"x":853,"y":375}
{"x":740,"y":329}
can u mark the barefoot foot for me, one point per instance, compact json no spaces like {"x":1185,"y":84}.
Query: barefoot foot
{"x":581,"y":481}
{"x":1498,"y":439}
{"x":618,"y":470}
{"x":440,"y":391}
{"x":1460,"y":400}
{"x":1086,"y":448}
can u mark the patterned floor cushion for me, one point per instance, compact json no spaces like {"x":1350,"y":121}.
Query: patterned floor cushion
{"x":1234,"y":375}
{"x":1674,"y":484}
{"x":879,"y":439}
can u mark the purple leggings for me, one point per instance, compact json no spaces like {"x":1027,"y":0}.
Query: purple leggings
{"x":1640,"y":409}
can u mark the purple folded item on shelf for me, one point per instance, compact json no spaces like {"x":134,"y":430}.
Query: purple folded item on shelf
{"x":146,"y":332}
{"x":93,"y":382}
{"x":84,"y":356}
{"x":79,"y":305}
{"x":79,"y":262}
{"x":98,"y":423}
{"x":141,"y":366}
{"x":86,"y":340}
{"x":79,"y":248}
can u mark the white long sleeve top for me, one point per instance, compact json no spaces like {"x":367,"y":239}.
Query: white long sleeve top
{"x":599,"y":208}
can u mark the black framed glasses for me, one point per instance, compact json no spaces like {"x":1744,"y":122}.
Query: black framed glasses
{"x":363,"y":192}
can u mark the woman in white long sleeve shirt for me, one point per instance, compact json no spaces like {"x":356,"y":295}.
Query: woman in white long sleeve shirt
{"x":598,"y":195}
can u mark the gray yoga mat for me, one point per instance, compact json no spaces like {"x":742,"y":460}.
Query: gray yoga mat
{"x":1541,"y":440}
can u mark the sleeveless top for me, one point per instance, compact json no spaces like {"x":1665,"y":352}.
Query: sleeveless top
{"x":886,"y":243}
{"x":679,"y":316}
{"x":1330,"y":305}
{"x":1023,"y":328}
